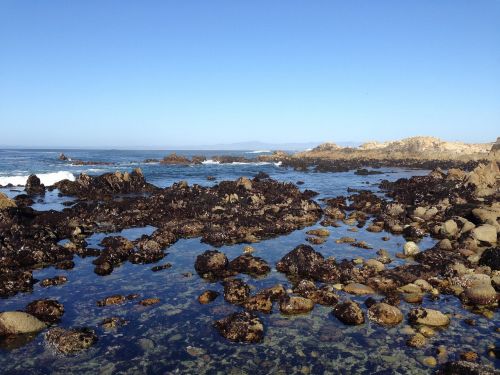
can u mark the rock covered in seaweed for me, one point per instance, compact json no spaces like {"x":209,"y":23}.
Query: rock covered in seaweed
{"x":69,"y":341}
{"x":46,"y":310}
{"x":241,"y":327}
{"x":349,"y":312}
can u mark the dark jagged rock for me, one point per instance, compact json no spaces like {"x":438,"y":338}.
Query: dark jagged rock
{"x":174,"y":159}
{"x":465,"y":368}
{"x":72,"y":340}
{"x":366,"y":172}
{"x":46,"y":310}
{"x":349,"y":313}
{"x":241,"y":327}
{"x":236,"y":291}
{"x":54,"y":281}
{"x":212,"y":264}
{"x":491,"y":258}
{"x":259,"y":302}
{"x":91,"y":187}
{"x":112,"y":300}
{"x":250,"y":265}
{"x":302,"y":261}
{"x":34,"y":186}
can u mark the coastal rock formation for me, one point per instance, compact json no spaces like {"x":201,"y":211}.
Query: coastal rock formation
{"x":34,"y":186}
{"x":349,"y":312}
{"x":385,"y":314}
{"x":6,"y":202}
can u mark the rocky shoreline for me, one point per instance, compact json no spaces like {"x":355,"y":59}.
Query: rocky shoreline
{"x":458,"y":207}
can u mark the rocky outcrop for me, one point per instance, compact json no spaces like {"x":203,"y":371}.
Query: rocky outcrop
{"x":6,"y":202}
{"x":34,"y":186}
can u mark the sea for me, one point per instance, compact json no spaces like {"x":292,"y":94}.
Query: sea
{"x":177,"y":335}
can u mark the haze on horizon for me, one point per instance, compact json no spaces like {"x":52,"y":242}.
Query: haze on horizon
{"x":163,"y":74}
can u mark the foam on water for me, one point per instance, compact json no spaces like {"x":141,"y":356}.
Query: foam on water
{"x":258,"y":152}
{"x":45,"y":178}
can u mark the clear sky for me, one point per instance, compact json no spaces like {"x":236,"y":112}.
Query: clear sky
{"x":166,"y":73}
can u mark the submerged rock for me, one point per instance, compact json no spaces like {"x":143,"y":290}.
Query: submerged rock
{"x":349,"y":313}
{"x":236,"y":291}
{"x":16,"y":322}
{"x":71,"y":340}
{"x":111,"y":300}
{"x":260,"y":302}
{"x":241,"y":327}
{"x":250,"y":265}
{"x":385,"y":314}
{"x":47,"y":310}
{"x":465,"y":367}
{"x":296,"y":305}
{"x":208,"y":296}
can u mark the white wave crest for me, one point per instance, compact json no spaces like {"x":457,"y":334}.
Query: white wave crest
{"x":210,"y":161}
{"x":258,"y":152}
{"x":45,"y":178}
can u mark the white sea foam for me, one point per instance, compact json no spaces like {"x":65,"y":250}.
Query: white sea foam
{"x":45,"y":178}
{"x":258,"y":152}
{"x":210,"y":161}
{"x":215,"y":162}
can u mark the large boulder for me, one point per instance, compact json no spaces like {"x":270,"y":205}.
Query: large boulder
{"x":485,"y":179}
{"x":16,"y":322}
{"x":241,"y":327}
{"x":301,"y":261}
{"x":34,"y":186}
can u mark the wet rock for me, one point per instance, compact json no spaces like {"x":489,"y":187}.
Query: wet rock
{"x":113,"y":322}
{"x":208,"y":296}
{"x":211,"y":263}
{"x":65,"y":265}
{"x":316,"y":240}
{"x":485,"y":233}
{"x":241,"y":327}
{"x":413,"y":297}
{"x":296,"y":305}
{"x":480,"y":295}
{"x":104,"y":268}
{"x":346,"y":240}
{"x":250,"y":265}
{"x":71,"y":340}
{"x":275,"y":293}
{"x":149,"y":301}
{"x":417,"y":341}
{"x":111,"y":300}
{"x":161,"y":267}
{"x":34,"y":186}
{"x":301,"y":261}
{"x":16,"y":322}
{"x":411,"y":248}
{"x":12,"y":282}
{"x":321,"y":232}
{"x":375,"y":264}
{"x":385,"y":314}
{"x":58,"y":280}
{"x":429,"y":317}
{"x":49,"y":311}
{"x":464,"y":367}
{"x":260,"y":302}
{"x":236,"y":291}
{"x":491,"y":258}
{"x":349,"y":313}
{"x":469,"y":356}
{"x":358,"y":289}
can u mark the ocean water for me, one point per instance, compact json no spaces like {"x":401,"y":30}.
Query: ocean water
{"x":176,"y":335}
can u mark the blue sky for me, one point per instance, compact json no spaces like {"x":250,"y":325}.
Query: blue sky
{"x":170,"y":73}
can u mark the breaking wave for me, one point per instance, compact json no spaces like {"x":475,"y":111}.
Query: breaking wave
{"x":45,"y":178}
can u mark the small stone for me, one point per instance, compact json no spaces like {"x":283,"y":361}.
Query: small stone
{"x":111,"y":300}
{"x":426,"y":331}
{"x":429,"y":317}
{"x":385,"y":314}
{"x":411,"y":248}
{"x":349,"y":313}
{"x":429,"y":361}
{"x":417,"y":341}
{"x":241,"y":327}
{"x":322,"y":232}
{"x":149,"y":301}
{"x":469,"y":356}
{"x":358,"y":289}
{"x":208,"y":296}
{"x":296,"y":305}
